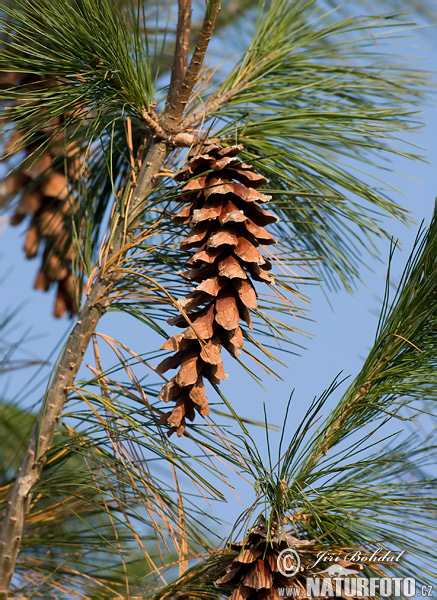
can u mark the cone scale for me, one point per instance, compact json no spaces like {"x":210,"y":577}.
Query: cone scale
{"x":223,"y":207}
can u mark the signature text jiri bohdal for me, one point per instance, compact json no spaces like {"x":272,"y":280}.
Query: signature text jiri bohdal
{"x":359,"y":556}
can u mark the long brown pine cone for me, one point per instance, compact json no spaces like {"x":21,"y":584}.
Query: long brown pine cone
{"x":41,"y":178}
{"x":227,"y":226}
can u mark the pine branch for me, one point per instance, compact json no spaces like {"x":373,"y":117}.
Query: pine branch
{"x":183,"y":81}
{"x":401,"y":362}
{"x":71,"y":358}
{"x":63,"y":379}
{"x":400,"y":366}
{"x":285,"y":100}
{"x":174,"y":113}
{"x":214,"y":103}
{"x":181,"y":52}
{"x":229,"y":16}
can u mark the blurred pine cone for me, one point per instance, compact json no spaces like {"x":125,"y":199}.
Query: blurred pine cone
{"x":227,"y":226}
{"x":41,"y":180}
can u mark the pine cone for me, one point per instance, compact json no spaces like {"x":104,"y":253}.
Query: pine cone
{"x":255,"y":571}
{"x":42,"y":182}
{"x":227,"y":226}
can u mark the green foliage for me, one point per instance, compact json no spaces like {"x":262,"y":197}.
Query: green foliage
{"x":313,"y":99}
{"x":101,"y":518}
{"x":343,"y":492}
{"x":13,"y":425}
{"x":353,"y":491}
{"x":96,"y":49}
{"x":400,"y":366}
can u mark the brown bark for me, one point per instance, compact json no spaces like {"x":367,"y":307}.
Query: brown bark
{"x":181,"y":52}
{"x":173,"y":114}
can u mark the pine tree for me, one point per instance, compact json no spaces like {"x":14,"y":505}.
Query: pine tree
{"x":142,"y":163}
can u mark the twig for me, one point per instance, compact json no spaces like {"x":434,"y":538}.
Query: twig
{"x":201,"y":113}
{"x":63,"y":379}
{"x":153,"y":124}
{"x":173,"y":115}
{"x":213,"y":104}
{"x":182,"y":47}
{"x":340,"y":421}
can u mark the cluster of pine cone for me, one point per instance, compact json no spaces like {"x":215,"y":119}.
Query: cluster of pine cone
{"x":227,"y":227}
{"x":41,"y":179}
